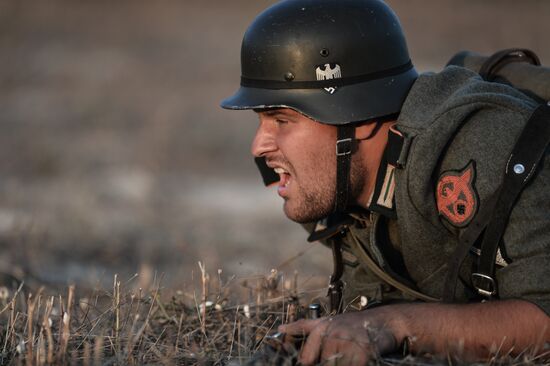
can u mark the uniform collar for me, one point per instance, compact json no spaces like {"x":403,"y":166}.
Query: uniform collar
{"x":383,"y":197}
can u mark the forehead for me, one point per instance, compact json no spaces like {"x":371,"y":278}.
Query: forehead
{"x":280,"y":112}
{"x":300,"y":122}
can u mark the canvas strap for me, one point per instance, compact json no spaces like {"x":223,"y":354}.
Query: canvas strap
{"x":522,"y":163}
{"x":491,"y":221}
{"x":466,"y":241}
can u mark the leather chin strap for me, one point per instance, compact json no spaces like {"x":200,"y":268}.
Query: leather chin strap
{"x":346,"y":144}
{"x":344,"y":148}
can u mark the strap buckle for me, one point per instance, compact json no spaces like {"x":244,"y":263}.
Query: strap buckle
{"x":343,"y":147}
{"x":485,"y":285}
{"x":335,"y":290}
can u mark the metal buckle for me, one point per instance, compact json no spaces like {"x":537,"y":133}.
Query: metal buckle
{"x":491,"y":291}
{"x":343,"y":147}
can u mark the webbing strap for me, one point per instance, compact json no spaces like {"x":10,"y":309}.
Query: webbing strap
{"x":365,"y":258}
{"x":344,"y":149}
{"x":522,"y":163}
{"x":465,"y":242}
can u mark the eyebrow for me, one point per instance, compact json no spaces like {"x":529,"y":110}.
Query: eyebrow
{"x":272,"y":113}
{"x":275,"y":112}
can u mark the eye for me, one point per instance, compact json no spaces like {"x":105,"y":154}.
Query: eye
{"x":280,"y":121}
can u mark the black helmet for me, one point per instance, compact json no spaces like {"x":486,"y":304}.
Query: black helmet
{"x":336,"y":61}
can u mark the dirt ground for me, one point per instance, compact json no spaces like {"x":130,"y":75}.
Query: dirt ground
{"x":117,"y":159}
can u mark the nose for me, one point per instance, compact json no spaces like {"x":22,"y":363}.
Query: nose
{"x":264,"y":141}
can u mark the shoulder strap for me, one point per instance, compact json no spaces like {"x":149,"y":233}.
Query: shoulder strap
{"x":466,"y":240}
{"x":525,"y":156}
{"x":493,"y":216}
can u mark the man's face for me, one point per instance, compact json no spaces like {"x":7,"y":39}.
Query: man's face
{"x":302,"y":152}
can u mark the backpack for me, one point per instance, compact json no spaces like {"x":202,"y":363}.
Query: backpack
{"x":517,"y":67}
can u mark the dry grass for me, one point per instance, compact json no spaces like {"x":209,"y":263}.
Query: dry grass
{"x":224,"y":324}
{"x":124,"y":325}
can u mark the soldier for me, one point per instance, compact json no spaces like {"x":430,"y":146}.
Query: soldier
{"x":413,"y":181}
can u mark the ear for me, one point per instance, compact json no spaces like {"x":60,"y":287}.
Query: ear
{"x":364,"y":131}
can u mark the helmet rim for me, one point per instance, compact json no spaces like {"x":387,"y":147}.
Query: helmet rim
{"x":353,"y":103}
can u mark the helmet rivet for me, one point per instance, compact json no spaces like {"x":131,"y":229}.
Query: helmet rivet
{"x":324,"y":52}
{"x":519,"y":169}
{"x":289,"y":76}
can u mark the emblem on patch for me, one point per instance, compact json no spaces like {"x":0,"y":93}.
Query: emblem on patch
{"x":456,"y":197}
{"x":327,"y":72}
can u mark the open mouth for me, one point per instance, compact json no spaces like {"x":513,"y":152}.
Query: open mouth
{"x":284,"y":177}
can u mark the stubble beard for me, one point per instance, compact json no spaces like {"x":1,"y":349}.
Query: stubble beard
{"x":318,"y":201}
{"x":312,"y":206}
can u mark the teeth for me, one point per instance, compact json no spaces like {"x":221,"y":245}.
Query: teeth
{"x":280,"y":171}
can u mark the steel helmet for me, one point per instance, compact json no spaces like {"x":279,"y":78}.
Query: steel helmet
{"x":336,"y":61}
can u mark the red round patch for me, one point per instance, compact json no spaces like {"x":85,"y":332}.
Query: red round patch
{"x":456,"y":197}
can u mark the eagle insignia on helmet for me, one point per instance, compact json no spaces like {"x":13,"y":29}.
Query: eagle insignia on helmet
{"x":327,"y":72}
{"x":456,"y":197}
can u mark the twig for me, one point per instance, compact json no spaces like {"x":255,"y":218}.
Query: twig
{"x":155,"y":343}
{"x":233,"y":333}
{"x":12,"y":301}
{"x":204,"y":296}
{"x":66,"y":321}
{"x":116,"y":306}
{"x":266,"y":333}
{"x":46,"y":323}
{"x":30,"y":311}
{"x":179,"y":331}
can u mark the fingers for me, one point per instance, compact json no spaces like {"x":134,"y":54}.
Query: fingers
{"x":345,"y":339}
{"x":339,"y":348}
{"x":314,"y":329}
{"x":300,"y":327}
{"x":315,"y":343}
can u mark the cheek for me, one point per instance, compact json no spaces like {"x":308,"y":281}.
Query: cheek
{"x":321,"y":162}
{"x":310,"y":152}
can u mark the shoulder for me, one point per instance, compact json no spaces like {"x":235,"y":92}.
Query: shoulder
{"x":460,"y":127}
{"x":457,"y":91}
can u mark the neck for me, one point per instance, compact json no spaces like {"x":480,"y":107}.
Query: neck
{"x":370,"y":154}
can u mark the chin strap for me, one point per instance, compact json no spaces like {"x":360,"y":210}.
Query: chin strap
{"x":344,"y":149}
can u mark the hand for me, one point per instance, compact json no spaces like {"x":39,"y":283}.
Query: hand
{"x":347,"y":339}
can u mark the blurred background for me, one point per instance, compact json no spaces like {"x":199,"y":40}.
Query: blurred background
{"x":115,"y":157}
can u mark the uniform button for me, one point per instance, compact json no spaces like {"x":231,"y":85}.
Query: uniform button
{"x":519,"y":169}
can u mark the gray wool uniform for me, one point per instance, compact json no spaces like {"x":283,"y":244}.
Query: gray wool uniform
{"x":458,"y":132}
